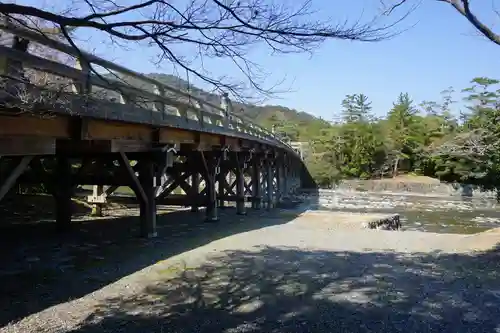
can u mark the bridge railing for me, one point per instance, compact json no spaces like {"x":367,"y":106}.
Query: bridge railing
{"x":162,"y":105}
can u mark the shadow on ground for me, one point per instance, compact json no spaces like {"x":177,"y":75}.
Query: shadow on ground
{"x":291,"y":290}
{"x":41,"y":268}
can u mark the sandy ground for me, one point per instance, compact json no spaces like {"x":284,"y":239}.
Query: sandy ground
{"x":298,"y":277}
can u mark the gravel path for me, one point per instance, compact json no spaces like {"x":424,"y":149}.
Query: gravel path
{"x":297,"y":278}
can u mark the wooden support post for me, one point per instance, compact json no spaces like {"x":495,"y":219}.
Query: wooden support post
{"x":240,"y":185}
{"x":279,"y":177}
{"x":263,"y":183}
{"x":290,"y":178}
{"x":63,"y":189}
{"x":211,"y":165}
{"x":195,"y":186}
{"x":285,"y":176}
{"x":97,"y":191}
{"x":256,"y":184}
{"x":148,"y":206}
{"x":144,"y":189}
{"x":269,"y":183}
{"x":221,"y":182}
{"x":295,"y":178}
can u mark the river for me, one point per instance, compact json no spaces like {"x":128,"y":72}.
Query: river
{"x":443,"y":214}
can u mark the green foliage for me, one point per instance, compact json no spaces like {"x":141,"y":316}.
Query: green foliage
{"x":431,"y":139}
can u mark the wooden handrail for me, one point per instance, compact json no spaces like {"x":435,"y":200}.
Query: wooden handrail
{"x":62,"y":70}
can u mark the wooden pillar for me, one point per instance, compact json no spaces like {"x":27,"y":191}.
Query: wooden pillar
{"x":63,"y":190}
{"x":222,"y":176}
{"x":285,"y":176}
{"x":240,"y":185}
{"x":256,"y":184}
{"x":263,"y":183}
{"x":195,"y":186}
{"x":279,"y":177}
{"x":210,"y":177}
{"x":148,"y":206}
{"x":97,"y":191}
{"x":269,"y":183}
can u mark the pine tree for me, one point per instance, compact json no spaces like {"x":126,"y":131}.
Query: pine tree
{"x":402,"y":134}
{"x":356,"y":108}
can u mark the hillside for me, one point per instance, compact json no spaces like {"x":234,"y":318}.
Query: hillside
{"x":294,"y":123}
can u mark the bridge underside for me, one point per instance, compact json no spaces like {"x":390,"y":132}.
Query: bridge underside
{"x":166,"y":166}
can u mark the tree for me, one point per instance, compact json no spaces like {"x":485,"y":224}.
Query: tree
{"x":356,"y":108}
{"x":461,"y":7}
{"x":401,"y":121}
{"x":472,"y":154}
{"x":219,"y":29}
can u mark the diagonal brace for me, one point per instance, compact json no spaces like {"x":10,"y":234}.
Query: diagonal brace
{"x":14,"y":175}
{"x":125,"y":162}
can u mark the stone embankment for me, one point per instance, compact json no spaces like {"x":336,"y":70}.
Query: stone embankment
{"x":429,"y":187}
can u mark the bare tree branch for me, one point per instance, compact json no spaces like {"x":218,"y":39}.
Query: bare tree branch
{"x":463,"y":8}
{"x":222,"y":29}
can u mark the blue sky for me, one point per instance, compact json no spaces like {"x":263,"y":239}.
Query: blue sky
{"x":442,"y":50}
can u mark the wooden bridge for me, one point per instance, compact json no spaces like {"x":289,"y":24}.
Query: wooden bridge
{"x":66,"y":125}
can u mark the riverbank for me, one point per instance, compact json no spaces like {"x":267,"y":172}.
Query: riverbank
{"x":415,"y":185}
{"x":280,"y":272}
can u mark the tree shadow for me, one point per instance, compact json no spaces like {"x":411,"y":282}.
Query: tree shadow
{"x":33,"y":208}
{"x":272,"y":289}
{"x":41,"y":268}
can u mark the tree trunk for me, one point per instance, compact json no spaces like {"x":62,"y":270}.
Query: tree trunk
{"x":395,"y":170}
{"x":498,"y":194}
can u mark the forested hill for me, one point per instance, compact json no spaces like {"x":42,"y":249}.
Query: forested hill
{"x":294,"y":122}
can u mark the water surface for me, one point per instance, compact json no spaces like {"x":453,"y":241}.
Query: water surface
{"x":418,"y":212}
